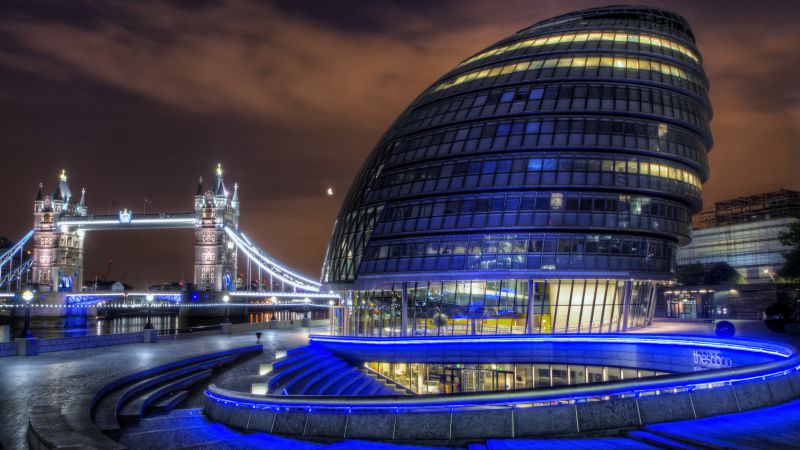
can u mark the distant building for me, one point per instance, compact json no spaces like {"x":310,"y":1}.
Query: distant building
{"x":106,"y":286}
{"x":744,"y":232}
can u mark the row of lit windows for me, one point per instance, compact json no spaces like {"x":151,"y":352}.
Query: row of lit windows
{"x":566,"y":97}
{"x":527,"y":220}
{"x":490,"y":263}
{"x":619,"y":37}
{"x":522,"y":243}
{"x":533,"y":179}
{"x":546,"y":163}
{"x":551,"y":209}
{"x":617,"y":62}
{"x":589,"y":202}
{"x":542,"y":253}
{"x":475,"y":138}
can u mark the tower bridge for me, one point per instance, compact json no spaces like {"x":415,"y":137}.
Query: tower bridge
{"x":50,"y":257}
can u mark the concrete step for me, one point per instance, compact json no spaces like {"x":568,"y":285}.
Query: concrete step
{"x":255,"y":441}
{"x":104,"y":413}
{"x":171,"y":438}
{"x":690,"y":441}
{"x":170,"y":402}
{"x":179,"y":418}
{"x":135,"y":407}
{"x":326,"y":386}
{"x":656,"y":440}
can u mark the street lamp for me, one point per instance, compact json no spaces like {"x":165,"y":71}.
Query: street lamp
{"x":226,"y":298}
{"x":770,"y":273}
{"x":27,"y":295}
{"x":149,"y":324}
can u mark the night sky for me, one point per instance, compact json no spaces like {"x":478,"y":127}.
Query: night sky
{"x":137,"y":99}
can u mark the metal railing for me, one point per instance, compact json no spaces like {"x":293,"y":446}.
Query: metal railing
{"x":672,"y":383}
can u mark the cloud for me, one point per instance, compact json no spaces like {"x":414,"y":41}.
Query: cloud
{"x":138,"y":98}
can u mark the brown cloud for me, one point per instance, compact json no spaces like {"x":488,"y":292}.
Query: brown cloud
{"x":138,"y":98}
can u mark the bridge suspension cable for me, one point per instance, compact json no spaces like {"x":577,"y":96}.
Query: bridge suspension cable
{"x":15,"y":248}
{"x":10,"y":273}
{"x":269,"y":264}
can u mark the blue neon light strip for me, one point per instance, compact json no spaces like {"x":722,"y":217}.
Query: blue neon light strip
{"x":284,"y":294}
{"x":728,"y":344}
{"x":789,"y":363}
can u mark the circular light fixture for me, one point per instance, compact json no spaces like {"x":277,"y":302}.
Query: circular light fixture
{"x":27,"y":295}
{"x":149,"y":297}
{"x":226,"y":298}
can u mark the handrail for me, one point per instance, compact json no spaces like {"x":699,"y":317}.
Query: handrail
{"x":576,"y":393}
{"x":176,"y":331}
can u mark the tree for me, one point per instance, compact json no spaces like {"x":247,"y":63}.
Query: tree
{"x":713,"y":273}
{"x":791,"y":238}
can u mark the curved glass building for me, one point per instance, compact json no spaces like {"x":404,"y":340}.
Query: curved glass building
{"x":542,"y":185}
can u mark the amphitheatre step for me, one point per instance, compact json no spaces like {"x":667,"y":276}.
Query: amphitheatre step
{"x":170,"y":402}
{"x":135,"y":407}
{"x":171,"y":438}
{"x":179,"y":418}
{"x":324,"y":386}
{"x":656,"y":440}
{"x":104,"y":413}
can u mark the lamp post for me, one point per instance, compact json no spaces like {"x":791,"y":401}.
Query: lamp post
{"x":149,"y":299}
{"x":226,"y":298}
{"x":770,"y":273}
{"x":27,"y":296}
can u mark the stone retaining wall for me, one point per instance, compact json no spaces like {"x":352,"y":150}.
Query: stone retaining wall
{"x":8,"y":349}
{"x":78,"y":342}
{"x":470,"y":425}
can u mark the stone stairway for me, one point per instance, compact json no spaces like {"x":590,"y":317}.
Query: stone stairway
{"x":187,"y":429}
{"x":313,"y":370}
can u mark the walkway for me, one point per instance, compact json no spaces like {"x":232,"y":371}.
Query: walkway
{"x":54,"y":378}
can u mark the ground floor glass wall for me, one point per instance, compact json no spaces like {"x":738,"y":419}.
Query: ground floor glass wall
{"x":457,"y":378}
{"x":510,"y":306}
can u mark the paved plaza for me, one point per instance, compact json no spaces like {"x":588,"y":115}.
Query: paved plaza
{"x":55,"y":378}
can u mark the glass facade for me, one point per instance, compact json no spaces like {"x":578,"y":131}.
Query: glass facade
{"x":422,"y":378}
{"x":542,"y":185}
{"x":754,"y":249}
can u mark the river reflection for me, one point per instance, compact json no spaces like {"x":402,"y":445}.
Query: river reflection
{"x":84,"y":325}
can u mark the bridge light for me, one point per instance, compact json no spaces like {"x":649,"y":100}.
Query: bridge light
{"x":226,"y":298}
{"x":230,"y":245}
{"x":149,"y":297}
{"x":27,"y":295}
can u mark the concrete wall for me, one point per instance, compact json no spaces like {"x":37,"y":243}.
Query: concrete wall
{"x":470,"y":425}
{"x":743,"y":301}
{"x":78,"y":342}
{"x":8,"y":349}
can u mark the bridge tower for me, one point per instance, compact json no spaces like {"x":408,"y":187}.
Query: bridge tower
{"x":214,"y":252}
{"x":57,"y":250}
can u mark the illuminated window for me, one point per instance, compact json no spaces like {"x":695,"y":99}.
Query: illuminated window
{"x":583,"y":37}
{"x":556,"y":201}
